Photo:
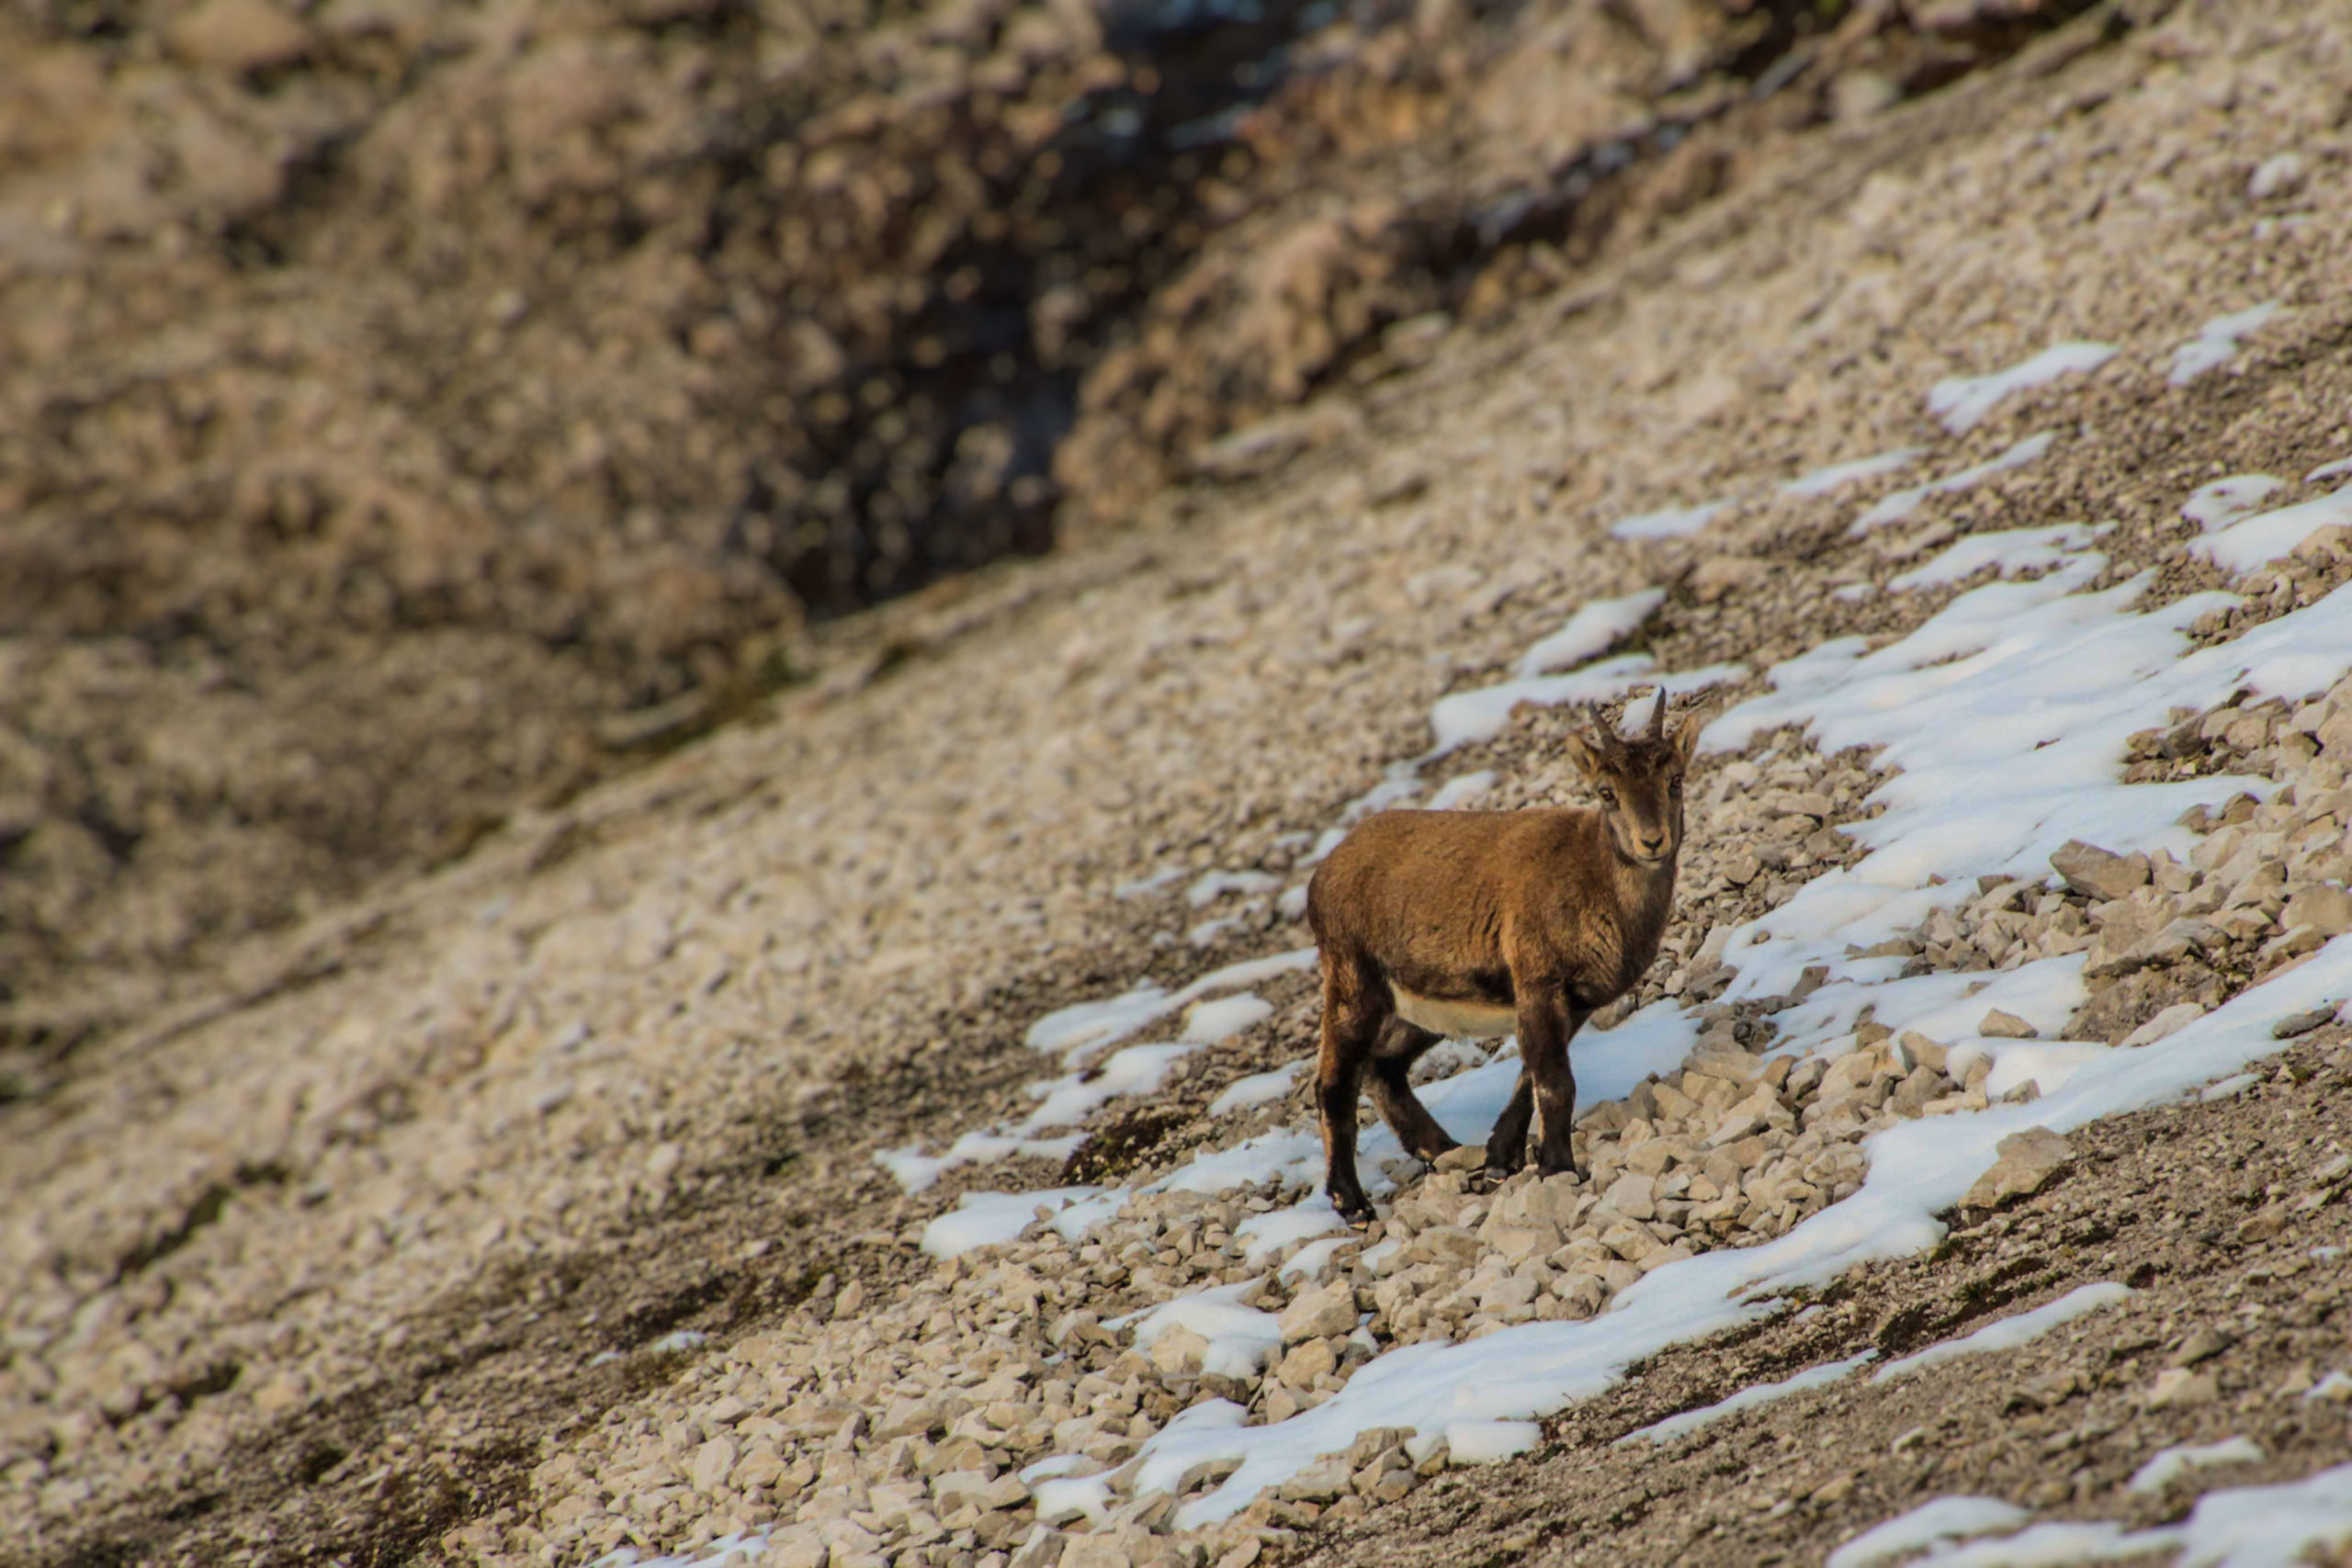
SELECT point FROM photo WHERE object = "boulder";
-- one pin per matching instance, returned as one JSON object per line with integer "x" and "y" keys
{"x": 2099, "y": 874}
{"x": 2023, "y": 1165}
{"x": 1319, "y": 1314}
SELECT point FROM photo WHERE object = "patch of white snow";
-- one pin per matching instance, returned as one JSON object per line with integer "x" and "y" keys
{"x": 1667, "y": 523}
{"x": 1897, "y": 504}
{"x": 2267, "y": 535}
{"x": 1932, "y": 1523}
{"x": 1461, "y": 788}
{"x": 1593, "y": 630}
{"x": 2215, "y": 506}
{"x": 2011, "y": 1332}
{"x": 1259, "y": 1088}
{"x": 1210, "y": 1022}
{"x": 2013, "y": 553}
{"x": 1821, "y": 482}
{"x": 2179, "y": 1459}
{"x": 1748, "y": 1398}
{"x": 1962, "y": 402}
{"x": 2216, "y": 343}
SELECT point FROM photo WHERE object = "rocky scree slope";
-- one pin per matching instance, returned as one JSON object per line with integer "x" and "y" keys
{"x": 414, "y": 410}
{"x": 394, "y": 1197}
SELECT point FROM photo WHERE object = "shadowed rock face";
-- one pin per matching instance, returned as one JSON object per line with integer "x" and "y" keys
{"x": 388, "y": 394}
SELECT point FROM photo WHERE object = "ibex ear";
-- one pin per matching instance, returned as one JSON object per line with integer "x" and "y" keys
{"x": 1583, "y": 753}
{"x": 1686, "y": 734}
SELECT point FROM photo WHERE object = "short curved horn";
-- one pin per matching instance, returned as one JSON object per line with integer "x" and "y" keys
{"x": 1657, "y": 716}
{"x": 1601, "y": 728}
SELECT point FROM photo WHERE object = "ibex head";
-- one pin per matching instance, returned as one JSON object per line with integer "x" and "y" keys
{"x": 1638, "y": 781}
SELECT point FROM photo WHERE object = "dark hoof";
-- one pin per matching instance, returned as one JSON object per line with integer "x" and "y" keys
{"x": 1546, "y": 1170}
{"x": 1357, "y": 1212}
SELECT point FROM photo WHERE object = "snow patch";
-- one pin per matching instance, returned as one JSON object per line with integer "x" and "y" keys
{"x": 2216, "y": 343}
{"x": 1265, "y": 1235}
{"x": 1210, "y": 1022}
{"x": 1460, "y": 788}
{"x": 1962, "y": 402}
{"x": 1667, "y": 522}
{"x": 1690, "y": 1421}
{"x": 1213, "y": 885}
{"x": 1897, "y": 504}
{"x": 991, "y": 1219}
{"x": 1486, "y": 1442}
{"x": 1483, "y": 713}
{"x": 1932, "y": 1523}
{"x": 1086, "y": 1026}
{"x": 1066, "y": 1102}
{"x": 1593, "y": 630}
{"x": 1241, "y": 1338}
{"x": 2014, "y": 552}
{"x": 2011, "y": 1332}
{"x": 2267, "y": 535}
{"x": 2158, "y": 1473}
{"x": 2249, "y": 1527}
{"x": 1821, "y": 482}
{"x": 2215, "y": 506}
{"x": 1143, "y": 887}
{"x": 916, "y": 1171}
{"x": 1259, "y": 1088}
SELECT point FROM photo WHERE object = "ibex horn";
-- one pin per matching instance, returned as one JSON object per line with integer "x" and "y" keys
{"x": 1602, "y": 727}
{"x": 1658, "y": 715}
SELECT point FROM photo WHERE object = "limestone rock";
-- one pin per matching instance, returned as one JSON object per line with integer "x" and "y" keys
{"x": 1179, "y": 1352}
{"x": 1719, "y": 576}
{"x": 2099, "y": 874}
{"x": 2177, "y": 1387}
{"x": 1319, "y": 1314}
{"x": 2173, "y": 1018}
{"x": 1041, "y": 1549}
{"x": 714, "y": 1462}
{"x": 2023, "y": 1165}
{"x": 1320, "y": 1483}
{"x": 237, "y": 34}
{"x": 2323, "y": 905}
{"x": 1307, "y": 1361}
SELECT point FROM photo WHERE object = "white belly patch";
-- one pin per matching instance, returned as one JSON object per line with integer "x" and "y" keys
{"x": 1455, "y": 1021}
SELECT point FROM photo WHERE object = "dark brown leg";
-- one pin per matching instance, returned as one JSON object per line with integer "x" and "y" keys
{"x": 1548, "y": 1023}
{"x": 1507, "y": 1145}
{"x": 1399, "y": 1047}
{"x": 1354, "y": 1007}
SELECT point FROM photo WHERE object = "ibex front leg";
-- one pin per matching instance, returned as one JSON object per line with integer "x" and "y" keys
{"x": 1548, "y": 1020}
{"x": 1355, "y": 1006}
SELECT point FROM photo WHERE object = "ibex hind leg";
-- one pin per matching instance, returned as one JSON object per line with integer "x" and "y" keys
{"x": 1507, "y": 1145}
{"x": 1399, "y": 1047}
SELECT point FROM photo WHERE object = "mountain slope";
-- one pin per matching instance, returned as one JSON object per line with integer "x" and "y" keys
{"x": 331, "y": 1263}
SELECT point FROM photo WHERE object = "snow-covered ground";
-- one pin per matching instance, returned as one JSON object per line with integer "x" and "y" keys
{"x": 1999, "y": 730}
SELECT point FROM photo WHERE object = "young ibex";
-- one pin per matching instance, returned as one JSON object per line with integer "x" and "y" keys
{"x": 1436, "y": 924}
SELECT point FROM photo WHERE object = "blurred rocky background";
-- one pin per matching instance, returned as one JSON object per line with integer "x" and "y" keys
{"x": 412, "y": 409}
